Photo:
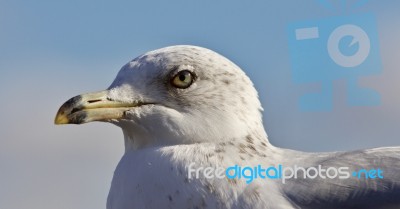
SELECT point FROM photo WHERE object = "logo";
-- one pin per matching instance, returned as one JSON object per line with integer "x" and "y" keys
{"x": 283, "y": 173}
{"x": 325, "y": 50}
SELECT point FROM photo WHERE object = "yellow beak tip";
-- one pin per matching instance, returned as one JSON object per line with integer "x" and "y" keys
{"x": 61, "y": 119}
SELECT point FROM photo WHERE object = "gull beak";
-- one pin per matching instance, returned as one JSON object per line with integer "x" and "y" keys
{"x": 91, "y": 107}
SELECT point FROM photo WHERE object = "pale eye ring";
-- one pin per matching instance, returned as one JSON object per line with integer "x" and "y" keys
{"x": 182, "y": 79}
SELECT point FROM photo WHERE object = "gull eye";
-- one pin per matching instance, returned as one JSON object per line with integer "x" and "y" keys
{"x": 183, "y": 79}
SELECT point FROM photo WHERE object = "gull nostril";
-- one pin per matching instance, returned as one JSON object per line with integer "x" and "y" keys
{"x": 95, "y": 100}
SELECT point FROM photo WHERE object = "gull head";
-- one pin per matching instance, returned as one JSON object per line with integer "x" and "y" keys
{"x": 173, "y": 95}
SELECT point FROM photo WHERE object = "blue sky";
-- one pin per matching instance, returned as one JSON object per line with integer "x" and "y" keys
{"x": 53, "y": 50}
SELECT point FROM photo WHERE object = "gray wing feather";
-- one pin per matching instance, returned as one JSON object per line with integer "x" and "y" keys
{"x": 352, "y": 192}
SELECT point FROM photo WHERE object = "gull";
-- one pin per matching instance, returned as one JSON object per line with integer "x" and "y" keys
{"x": 184, "y": 108}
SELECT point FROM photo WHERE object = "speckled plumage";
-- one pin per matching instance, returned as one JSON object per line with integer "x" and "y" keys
{"x": 217, "y": 121}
